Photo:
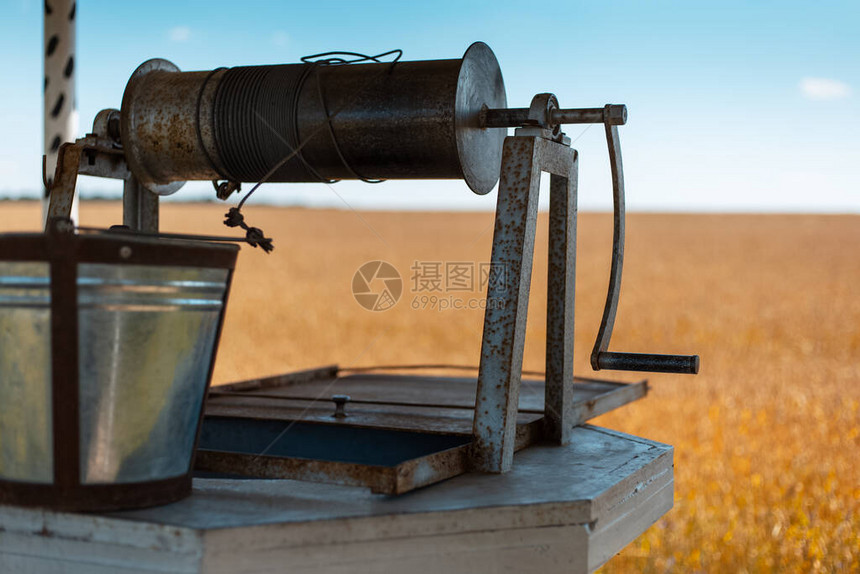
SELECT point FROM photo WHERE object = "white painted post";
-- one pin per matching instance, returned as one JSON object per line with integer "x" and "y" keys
{"x": 60, "y": 118}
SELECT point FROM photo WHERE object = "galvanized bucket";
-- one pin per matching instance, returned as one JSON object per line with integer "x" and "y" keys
{"x": 107, "y": 343}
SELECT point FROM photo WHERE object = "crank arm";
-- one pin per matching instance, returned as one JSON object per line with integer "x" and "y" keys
{"x": 601, "y": 357}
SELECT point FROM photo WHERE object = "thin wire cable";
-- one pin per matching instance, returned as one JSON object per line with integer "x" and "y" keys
{"x": 333, "y": 190}
{"x": 582, "y": 133}
{"x": 234, "y": 217}
{"x": 426, "y": 367}
{"x": 198, "y": 122}
{"x": 161, "y": 235}
{"x": 319, "y": 396}
{"x": 328, "y": 61}
{"x": 299, "y": 148}
{"x": 299, "y": 399}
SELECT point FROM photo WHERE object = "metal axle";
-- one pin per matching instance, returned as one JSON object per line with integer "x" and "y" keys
{"x": 614, "y": 114}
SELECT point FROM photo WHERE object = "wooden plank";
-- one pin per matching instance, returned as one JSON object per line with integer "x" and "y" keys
{"x": 610, "y": 536}
{"x": 590, "y": 398}
{"x": 39, "y": 541}
{"x": 285, "y": 380}
{"x": 552, "y": 549}
{"x": 28, "y": 564}
{"x": 453, "y": 421}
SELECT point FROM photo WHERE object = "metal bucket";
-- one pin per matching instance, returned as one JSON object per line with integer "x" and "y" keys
{"x": 107, "y": 344}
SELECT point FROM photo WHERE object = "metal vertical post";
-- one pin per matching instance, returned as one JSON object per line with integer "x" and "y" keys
{"x": 60, "y": 116}
{"x": 524, "y": 156}
{"x": 497, "y": 400}
{"x": 561, "y": 292}
{"x": 139, "y": 206}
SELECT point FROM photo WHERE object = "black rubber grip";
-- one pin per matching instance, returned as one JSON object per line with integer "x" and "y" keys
{"x": 682, "y": 364}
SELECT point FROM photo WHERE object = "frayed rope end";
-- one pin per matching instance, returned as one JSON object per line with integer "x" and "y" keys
{"x": 253, "y": 235}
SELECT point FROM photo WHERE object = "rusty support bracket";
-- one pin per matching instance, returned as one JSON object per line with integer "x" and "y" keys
{"x": 497, "y": 400}
{"x": 99, "y": 154}
{"x": 62, "y": 192}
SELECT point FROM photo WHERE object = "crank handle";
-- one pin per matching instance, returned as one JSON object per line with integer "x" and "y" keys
{"x": 601, "y": 357}
{"x": 680, "y": 364}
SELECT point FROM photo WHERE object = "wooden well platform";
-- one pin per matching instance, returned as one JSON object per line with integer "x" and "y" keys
{"x": 561, "y": 509}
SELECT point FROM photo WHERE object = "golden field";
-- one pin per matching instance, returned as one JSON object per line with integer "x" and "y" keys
{"x": 767, "y": 436}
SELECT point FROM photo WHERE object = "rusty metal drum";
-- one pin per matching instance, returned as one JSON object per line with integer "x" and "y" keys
{"x": 379, "y": 120}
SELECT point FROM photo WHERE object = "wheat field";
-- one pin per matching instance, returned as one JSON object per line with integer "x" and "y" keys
{"x": 766, "y": 437}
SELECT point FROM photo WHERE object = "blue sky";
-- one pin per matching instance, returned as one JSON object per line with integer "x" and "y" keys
{"x": 734, "y": 106}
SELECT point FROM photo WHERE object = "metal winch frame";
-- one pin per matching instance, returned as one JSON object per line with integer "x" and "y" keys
{"x": 538, "y": 145}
